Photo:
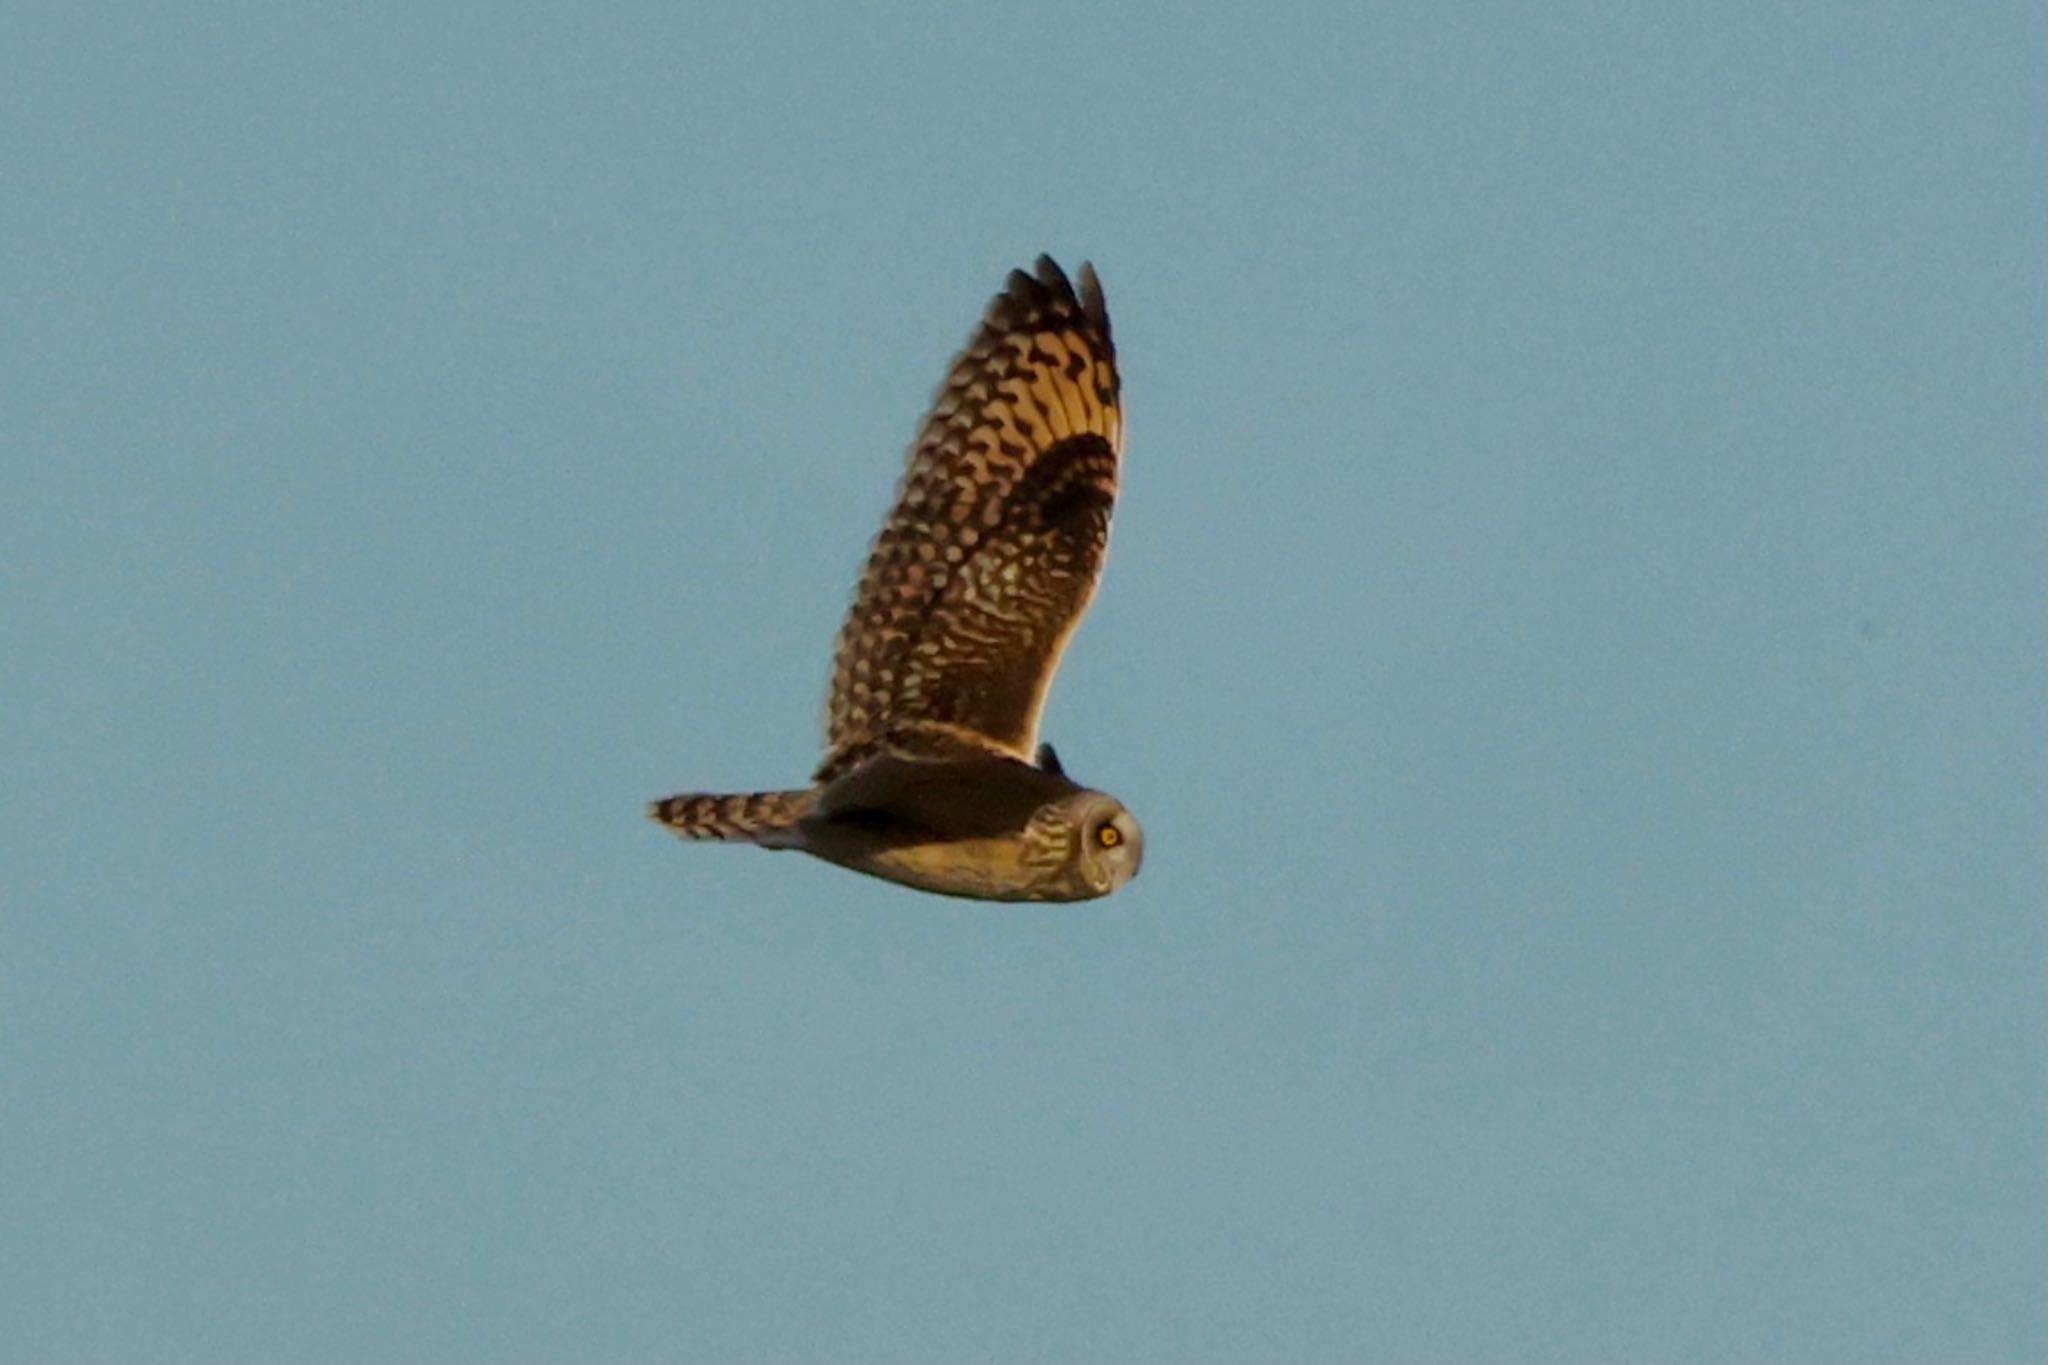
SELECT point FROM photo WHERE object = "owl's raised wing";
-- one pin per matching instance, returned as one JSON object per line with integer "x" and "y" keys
{"x": 993, "y": 548}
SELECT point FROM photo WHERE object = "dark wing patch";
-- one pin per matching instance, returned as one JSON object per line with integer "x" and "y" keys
{"x": 992, "y": 551}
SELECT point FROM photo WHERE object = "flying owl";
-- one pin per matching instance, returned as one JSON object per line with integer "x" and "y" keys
{"x": 933, "y": 773}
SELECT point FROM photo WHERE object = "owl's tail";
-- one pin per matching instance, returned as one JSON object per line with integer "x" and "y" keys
{"x": 768, "y": 818}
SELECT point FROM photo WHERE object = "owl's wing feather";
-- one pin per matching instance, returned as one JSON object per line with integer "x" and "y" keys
{"x": 983, "y": 794}
{"x": 991, "y": 553}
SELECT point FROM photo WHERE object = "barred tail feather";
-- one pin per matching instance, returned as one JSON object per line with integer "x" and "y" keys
{"x": 749, "y": 817}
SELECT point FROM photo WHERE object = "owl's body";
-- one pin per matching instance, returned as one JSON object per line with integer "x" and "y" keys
{"x": 933, "y": 774}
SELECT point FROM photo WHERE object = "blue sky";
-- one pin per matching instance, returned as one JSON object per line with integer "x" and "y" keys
{"x": 1574, "y": 637}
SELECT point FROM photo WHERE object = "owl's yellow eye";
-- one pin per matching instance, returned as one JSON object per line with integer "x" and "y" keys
{"x": 1109, "y": 836}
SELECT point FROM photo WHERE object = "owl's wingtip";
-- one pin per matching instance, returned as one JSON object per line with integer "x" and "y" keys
{"x": 1048, "y": 277}
{"x": 1051, "y": 276}
{"x": 1092, "y": 302}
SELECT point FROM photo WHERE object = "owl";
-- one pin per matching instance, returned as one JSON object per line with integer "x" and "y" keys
{"x": 933, "y": 774}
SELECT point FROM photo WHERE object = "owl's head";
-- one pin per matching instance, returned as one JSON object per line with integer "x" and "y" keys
{"x": 1099, "y": 844}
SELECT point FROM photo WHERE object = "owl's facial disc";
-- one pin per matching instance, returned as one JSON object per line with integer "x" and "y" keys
{"x": 1110, "y": 845}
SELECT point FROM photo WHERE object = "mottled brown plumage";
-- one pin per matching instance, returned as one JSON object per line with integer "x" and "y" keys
{"x": 981, "y": 572}
{"x": 990, "y": 555}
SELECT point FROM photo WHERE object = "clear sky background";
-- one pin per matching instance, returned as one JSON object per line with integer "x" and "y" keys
{"x": 1574, "y": 636}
